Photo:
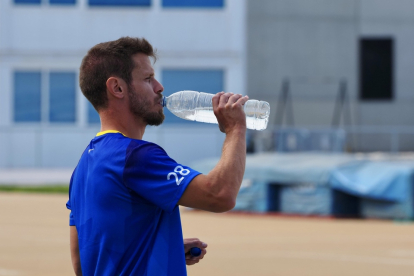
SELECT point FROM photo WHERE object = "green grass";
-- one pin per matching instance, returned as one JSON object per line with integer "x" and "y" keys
{"x": 49, "y": 189}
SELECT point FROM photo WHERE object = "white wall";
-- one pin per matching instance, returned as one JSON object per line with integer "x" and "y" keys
{"x": 391, "y": 19}
{"x": 183, "y": 37}
{"x": 59, "y": 146}
{"x": 44, "y": 37}
{"x": 310, "y": 42}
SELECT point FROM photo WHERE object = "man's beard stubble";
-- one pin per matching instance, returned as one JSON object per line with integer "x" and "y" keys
{"x": 140, "y": 108}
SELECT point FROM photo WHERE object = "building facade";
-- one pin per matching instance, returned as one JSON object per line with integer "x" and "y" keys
{"x": 44, "y": 119}
{"x": 315, "y": 50}
{"x": 316, "y": 46}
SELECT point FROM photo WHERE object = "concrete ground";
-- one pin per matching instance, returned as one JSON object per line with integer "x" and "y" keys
{"x": 34, "y": 241}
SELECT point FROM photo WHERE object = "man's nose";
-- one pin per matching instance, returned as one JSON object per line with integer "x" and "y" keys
{"x": 158, "y": 87}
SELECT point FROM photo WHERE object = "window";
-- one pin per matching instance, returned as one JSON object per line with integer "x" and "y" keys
{"x": 27, "y": 1}
{"x": 27, "y": 91}
{"x": 193, "y": 3}
{"x": 53, "y": 101}
{"x": 173, "y": 80}
{"x": 376, "y": 69}
{"x": 62, "y": 100}
{"x": 120, "y": 3}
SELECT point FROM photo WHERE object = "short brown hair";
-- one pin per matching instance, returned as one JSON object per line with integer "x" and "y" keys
{"x": 109, "y": 59}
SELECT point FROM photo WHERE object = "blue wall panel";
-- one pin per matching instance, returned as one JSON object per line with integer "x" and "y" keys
{"x": 120, "y": 3}
{"x": 62, "y": 97}
{"x": 193, "y": 3}
{"x": 27, "y": 1}
{"x": 173, "y": 80}
{"x": 93, "y": 116}
{"x": 64, "y": 2}
{"x": 27, "y": 94}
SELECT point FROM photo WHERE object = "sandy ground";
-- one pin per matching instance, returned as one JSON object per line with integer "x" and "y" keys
{"x": 34, "y": 241}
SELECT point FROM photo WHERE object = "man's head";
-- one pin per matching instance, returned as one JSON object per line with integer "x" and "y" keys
{"x": 144, "y": 92}
{"x": 119, "y": 59}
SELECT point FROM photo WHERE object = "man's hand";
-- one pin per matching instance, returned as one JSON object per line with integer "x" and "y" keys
{"x": 190, "y": 243}
{"x": 228, "y": 108}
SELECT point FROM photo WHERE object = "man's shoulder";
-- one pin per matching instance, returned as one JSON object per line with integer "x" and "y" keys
{"x": 144, "y": 149}
{"x": 143, "y": 146}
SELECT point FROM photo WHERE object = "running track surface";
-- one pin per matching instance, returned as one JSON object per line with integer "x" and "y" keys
{"x": 34, "y": 239}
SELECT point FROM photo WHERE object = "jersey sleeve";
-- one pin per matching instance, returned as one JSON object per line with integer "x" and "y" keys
{"x": 71, "y": 220}
{"x": 153, "y": 175}
{"x": 69, "y": 206}
{"x": 71, "y": 217}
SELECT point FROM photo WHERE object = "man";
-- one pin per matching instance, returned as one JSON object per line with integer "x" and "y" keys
{"x": 124, "y": 193}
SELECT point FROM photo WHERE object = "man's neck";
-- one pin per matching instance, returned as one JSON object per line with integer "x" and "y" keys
{"x": 127, "y": 125}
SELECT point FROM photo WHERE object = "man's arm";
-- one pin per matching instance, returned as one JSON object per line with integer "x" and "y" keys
{"x": 74, "y": 251}
{"x": 217, "y": 191}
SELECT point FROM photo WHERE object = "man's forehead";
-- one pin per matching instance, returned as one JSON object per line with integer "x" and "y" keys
{"x": 143, "y": 63}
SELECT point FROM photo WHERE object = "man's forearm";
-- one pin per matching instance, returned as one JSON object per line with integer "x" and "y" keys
{"x": 227, "y": 176}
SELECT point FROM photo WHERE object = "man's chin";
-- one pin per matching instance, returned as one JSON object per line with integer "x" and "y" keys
{"x": 155, "y": 120}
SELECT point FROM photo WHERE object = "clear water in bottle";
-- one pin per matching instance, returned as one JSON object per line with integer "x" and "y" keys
{"x": 197, "y": 106}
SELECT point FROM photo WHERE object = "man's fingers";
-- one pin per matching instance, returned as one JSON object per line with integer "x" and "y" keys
{"x": 242, "y": 100}
{"x": 189, "y": 257}
{"x": 199, "y": 244}
{"x": 224, "y": 99}
{"x": 216, "y": 98}
{"x": 191, "y": 262}
{"x": 194, "y": 242}
{"x": 229, "y": 111}
{"x": 234, "y": 98}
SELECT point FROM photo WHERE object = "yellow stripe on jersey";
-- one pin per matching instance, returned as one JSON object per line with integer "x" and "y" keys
{"x": 108, "y": 131}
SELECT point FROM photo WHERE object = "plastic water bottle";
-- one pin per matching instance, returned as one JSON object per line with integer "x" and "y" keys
{"x": 197, "y": 106}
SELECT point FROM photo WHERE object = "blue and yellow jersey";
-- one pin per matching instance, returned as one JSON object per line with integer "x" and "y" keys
{"x": 123, "y": 200}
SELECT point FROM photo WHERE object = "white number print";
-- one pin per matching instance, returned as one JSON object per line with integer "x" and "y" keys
{"x": 179, "y": 170}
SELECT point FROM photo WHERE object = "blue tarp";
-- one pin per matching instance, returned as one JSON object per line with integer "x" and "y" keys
{"x": 319, "y": 183}
{"x": 380, "y": 180}
{"x": 287, "y": 167}
{"x": 297, "y": 170}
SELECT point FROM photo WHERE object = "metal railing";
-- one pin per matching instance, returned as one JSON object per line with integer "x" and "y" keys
{"x": 350, "y": 139}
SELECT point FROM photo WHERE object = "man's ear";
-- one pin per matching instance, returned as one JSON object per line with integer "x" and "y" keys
{"x": 116, "y": 87}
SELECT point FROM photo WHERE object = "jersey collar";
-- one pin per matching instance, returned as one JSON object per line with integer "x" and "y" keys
{"x": 108, "y": 131}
